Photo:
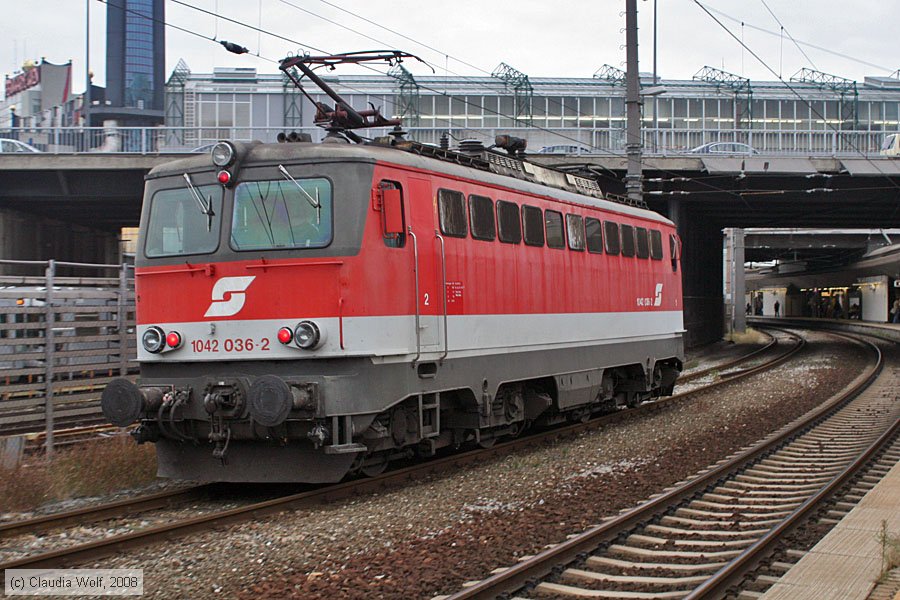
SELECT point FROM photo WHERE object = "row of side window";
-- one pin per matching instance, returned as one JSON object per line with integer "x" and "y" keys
{"x": 538, "y": 227}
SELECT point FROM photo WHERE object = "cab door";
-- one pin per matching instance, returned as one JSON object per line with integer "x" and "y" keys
{"x": 425, "y": 250}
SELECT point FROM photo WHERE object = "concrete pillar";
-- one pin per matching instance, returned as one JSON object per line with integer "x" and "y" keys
{"x": 701, "y": 274}
{"x": 738, "y": 287}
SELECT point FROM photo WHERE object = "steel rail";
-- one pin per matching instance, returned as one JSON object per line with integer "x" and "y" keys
{"x": 99, "y": 548}
{"x": 773, "y": 341}
{"x": 102, "y": 512}
{"x": 716, "y": 586}
{"x": 542, "y": 564}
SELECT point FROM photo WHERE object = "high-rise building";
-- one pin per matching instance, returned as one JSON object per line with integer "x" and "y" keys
{"x": 135, "y": 63}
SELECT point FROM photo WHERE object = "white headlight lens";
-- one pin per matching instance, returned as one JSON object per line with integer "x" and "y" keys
{"x": 153, "y": 340}
{"x": 307, "y": 335}
{"x": 222, "y": 154}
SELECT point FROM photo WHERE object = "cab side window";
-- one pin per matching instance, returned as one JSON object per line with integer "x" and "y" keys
{"x": 674, "y": 251}
{"x": 392, "y": 217}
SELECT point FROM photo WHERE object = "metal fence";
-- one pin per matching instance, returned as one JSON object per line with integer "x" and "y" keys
{"x": 62, "y": 339}
{"x": 660, "y": 141}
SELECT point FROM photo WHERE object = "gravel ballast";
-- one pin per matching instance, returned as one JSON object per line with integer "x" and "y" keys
{"x": 429, "y": 537}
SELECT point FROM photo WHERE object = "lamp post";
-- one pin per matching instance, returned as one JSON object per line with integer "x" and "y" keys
{"x": 633, "y": 141}
{"x": 655, "y": 81}
{"x": 86, "y": 99}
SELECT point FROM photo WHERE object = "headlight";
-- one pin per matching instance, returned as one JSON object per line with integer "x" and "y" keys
{"x": 307, "y": 335}
{"x": 153, "y": 340}
{"x": 222, "y": 154}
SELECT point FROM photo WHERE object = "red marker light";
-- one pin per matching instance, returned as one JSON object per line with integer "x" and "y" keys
{"x": 224, "y": 177}
{"x": 285, "y": 335}
{"x": 173, "y": 340}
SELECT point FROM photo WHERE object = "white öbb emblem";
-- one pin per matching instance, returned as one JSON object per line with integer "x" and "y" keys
{"x": 234, "y": 287}
{"x": 652, "y": 301}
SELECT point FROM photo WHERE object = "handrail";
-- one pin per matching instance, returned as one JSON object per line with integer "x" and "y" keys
{"x": 416, "y": 277}
{"x": 663, "y": 141}
{"x": 443, "y": 293}
{"x": 310, "y": 263}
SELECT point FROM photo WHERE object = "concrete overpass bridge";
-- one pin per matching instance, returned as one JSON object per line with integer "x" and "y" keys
{"x": 72, "y": 206}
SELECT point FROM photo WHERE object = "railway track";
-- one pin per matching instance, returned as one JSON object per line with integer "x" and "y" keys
{"x": 152, "y": 534}
{"x": 81, "y": 430}
{"x": 700, "y": 538}
{"x": 724, "y": 366}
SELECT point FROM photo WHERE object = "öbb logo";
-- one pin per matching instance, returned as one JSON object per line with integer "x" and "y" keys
{"x": 234, "y": 288}
{"x": 654, "y": 300}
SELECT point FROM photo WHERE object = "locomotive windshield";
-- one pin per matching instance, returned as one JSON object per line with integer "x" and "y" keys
{"x": 295, "y": 213}
{"x": 178, "y": 226}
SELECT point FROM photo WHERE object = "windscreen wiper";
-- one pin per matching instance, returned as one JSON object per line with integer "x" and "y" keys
{"x": 205, "y": 207}
{"x": 314, "y": 202}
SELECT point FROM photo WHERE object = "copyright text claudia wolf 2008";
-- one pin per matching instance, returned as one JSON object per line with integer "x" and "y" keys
{"x": 74, "y": 582}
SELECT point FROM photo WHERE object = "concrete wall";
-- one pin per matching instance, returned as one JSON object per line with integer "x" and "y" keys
{"x": 770, "y": 297}
{"x": 875, "y": 300}
{"x": 30, "y": 237}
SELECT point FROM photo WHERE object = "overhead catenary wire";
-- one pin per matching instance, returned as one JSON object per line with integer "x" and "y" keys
{"x": 798, "y": 95}
{"x": 558, "y": 103}
{"x": 784, "y": 29}
{"x": 712, "y": 188}
{"x": 801, "y": 42}
{"x": 439, "y": 92}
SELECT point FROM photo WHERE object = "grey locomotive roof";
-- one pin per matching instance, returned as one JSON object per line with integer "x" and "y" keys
{"x": 274, "y": 154}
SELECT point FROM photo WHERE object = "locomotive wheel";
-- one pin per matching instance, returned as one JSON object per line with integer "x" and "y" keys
{"x": 377, "y": 464}
{"x": 487, "y": 442}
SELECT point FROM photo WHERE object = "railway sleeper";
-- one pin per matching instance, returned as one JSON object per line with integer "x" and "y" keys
{"x": 747, "y": 508}
{"x": 703, "y": 525}
{"x": 758, "y": 498}
{"x": 602, "y": 562}
{"x": 557, "y": 589}
{"x": 751, "y": 487}
{"x": 764, "y": 495}
{"x": 782, "y": 472}
{"x": 648, "y": 541}
{"x": 799, "y": 476}
{"x": 747, "y": 534}
{"x": 791, "y": 480}
{"x": 756, "y": 518}
{"x": 682, "y": 583}
{"x": 674, "y": 555}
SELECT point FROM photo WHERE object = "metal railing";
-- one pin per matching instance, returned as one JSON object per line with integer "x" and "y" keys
{"x": 62, "y": 339}
{"x": 658, "y": 141}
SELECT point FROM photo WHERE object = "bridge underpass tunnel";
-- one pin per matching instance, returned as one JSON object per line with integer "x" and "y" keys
{"x": 69, "y": 208}
{"x": 828, "y": 274}
{"x": 34, "y": 237}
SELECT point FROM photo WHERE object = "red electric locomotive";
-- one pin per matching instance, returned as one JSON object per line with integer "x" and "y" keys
{"x": 310, "y": 310}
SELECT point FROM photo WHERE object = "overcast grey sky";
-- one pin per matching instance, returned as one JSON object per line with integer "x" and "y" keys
{"x": 538, "y": 37}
